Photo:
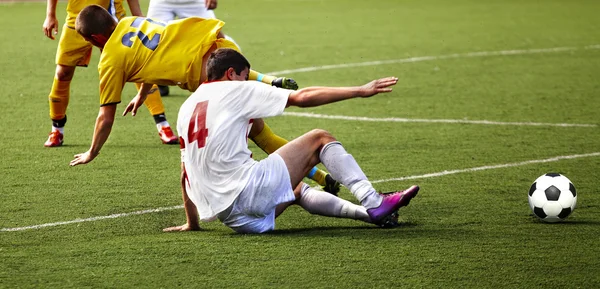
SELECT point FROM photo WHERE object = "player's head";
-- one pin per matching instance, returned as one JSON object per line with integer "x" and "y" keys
{"x": 95, "y": 24}
{"x": 227, "y": 64}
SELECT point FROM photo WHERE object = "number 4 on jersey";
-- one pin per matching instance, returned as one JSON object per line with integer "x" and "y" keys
{"x": 197, "y": 130}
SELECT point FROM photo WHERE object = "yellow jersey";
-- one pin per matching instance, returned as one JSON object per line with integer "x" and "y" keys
{"x": 114, "y": 7}
{"x": 143, "y": 50}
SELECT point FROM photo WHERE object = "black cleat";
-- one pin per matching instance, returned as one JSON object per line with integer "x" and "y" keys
{"x": 284, "y": 82}
{"x": 331, "y": 186}
{"x": 164, "y": 90}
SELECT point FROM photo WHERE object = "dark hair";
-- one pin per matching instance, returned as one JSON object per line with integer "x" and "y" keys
{"x": 222, "y": 59}
{"x": 94, "y": 19}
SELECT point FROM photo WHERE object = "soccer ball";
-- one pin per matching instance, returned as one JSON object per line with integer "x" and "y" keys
{"x": 552, "y": 197}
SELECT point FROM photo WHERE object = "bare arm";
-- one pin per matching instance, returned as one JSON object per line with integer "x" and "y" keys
{"x": 134, "y": 7}
{"x": 104, "y": 123}
{"x": 50, "y": 26}
{"x": 315, "y": 96}
{"x": 191, "y": 212}
{"x": 138, "y": 100}
{"x": 210, "y": 4}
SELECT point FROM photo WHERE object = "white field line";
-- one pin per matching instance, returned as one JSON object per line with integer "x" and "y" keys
{"x": 460, "y": 121}
{"x": 92, "y": 219}
{"x": 492, "y": 167}
{"x": 430, "y": 58}
{"x": 432, "y": 175}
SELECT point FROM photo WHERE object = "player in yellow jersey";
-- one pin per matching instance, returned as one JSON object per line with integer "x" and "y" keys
{"x": 74, "y": 51}
{"x": 138, "y": 49}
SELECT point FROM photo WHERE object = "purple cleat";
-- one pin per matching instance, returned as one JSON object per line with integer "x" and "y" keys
{"x": 390, "y": 205}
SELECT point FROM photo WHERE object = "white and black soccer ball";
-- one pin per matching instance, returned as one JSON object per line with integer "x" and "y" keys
{"x": 552, "y": 197}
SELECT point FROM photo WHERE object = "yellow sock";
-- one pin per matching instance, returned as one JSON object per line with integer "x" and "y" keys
{"x": 59, "y": 99}
{"x": 154, "y": 101}
{"x": 318, "y": 176}
{"x": 255, "y": 75}
{"x": 270, "y": 142}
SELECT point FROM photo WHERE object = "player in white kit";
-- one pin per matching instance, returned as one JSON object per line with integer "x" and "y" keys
{"x": 221, "y": 180}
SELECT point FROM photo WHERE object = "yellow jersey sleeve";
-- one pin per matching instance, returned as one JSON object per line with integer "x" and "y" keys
{"x": 112, "y": 81}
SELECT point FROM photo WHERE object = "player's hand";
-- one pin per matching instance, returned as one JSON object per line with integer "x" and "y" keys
{"x": 182, "y": 228}
{"x": 82, "y": 158}
{"x": 50, "y": 27}
{"x": 135, "y": 103}
{"x": 210, "y": 4}
{"x": 378, "y": 86}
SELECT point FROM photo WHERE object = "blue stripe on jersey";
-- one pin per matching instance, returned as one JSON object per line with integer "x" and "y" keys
{"x": 112, "y": 10}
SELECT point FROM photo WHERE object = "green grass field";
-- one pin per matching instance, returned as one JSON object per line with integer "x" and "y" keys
{"x": 508, "y": 62}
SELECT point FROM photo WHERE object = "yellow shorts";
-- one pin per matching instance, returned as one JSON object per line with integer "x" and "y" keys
{"x": 73, "y": 50}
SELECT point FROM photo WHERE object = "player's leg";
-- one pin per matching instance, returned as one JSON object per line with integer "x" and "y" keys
{"x": 157, "y": 110}
{"x": 269, "y": 142}
{"x": 301, "y": 154}
{"x": 321, "y": 203}
{"x": 72, "y": 51}
{"x": 58, "y": 101}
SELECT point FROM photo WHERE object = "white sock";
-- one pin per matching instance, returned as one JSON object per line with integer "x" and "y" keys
{"x": 366, "y": 194}
{"x": 162, "y": 124}
{"x": 342, "y": 167}
{"x": 325, "y": 204}
{"x": 59, "y": 129}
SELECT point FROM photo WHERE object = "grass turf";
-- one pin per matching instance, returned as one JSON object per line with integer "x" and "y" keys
{"x": 471, "y": 229}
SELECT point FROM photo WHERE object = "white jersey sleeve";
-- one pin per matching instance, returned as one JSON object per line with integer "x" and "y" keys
{"x": 262, "y": 100}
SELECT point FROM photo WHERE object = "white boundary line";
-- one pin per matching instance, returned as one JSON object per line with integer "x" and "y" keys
{"x": 432, "y": 175}
{"x": 113, "y": 216}
{"x": 430, "y": 58}
{"x": 463, "y": 121}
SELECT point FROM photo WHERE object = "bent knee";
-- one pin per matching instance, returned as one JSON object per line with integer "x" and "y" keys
{"x": 64, "y": 73}
{"x": 322, "y": 135}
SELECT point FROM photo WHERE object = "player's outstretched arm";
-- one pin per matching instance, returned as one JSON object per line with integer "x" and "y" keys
{"x": 210, "y": 4}
{"x": 191, "y": 212}
{"x": 104, "y": 123}
{"x": 50, "y": 26}
{"x": 315, "y": 96}
{"x": 138, "y": 100}
{"x": 134, "y": 7}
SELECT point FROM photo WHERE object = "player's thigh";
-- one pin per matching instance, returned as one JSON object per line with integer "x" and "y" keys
{"x": 302, "y": 153}
{"x": 73, "y": 49}
{"x": 195, "y": 9}
{"x": 255, "y": 208}
{"x": 161, "y": 10}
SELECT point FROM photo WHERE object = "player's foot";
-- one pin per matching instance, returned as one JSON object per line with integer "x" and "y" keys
{"x": 167, "y": 136}
{"x": 284, "y": 82}
{"x": 331, "y": 186}
{"x": 163, "y": 89}
{"x": 390, "y": 205}
{"x": 55, "y": 139}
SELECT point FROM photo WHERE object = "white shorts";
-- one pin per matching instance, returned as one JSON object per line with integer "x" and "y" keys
{"x": 167, "y": 11}
{"x": 254, "y": 209}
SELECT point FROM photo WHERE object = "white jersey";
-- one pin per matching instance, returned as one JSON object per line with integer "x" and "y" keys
{"x": 213, "y": 125}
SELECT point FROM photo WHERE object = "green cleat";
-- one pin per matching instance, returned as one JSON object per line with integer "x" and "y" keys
{"x": 284, "y": 82}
